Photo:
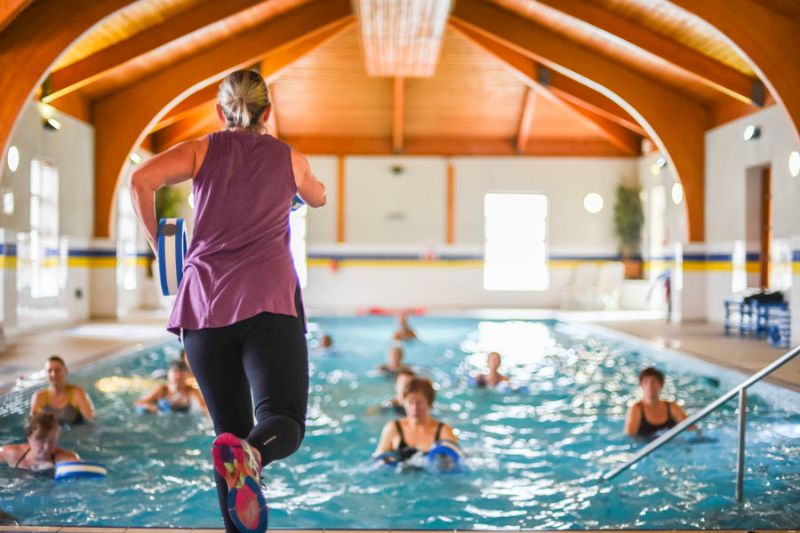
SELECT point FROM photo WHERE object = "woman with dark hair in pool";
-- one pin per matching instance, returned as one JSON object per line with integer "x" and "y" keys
{"x": 493, "y": 378}
{"x": 69, "y": 403}
{"x": 395, "y": 405}
{"x": 41, "y": 451}
{"x": 176, "y": 395}
{"x": 238, "y": 307}
{"x": 394, "y": 363}
{"x": 651, "y": 414}
{"x": 417, "y": 431}
{"x": 404, "y": 332}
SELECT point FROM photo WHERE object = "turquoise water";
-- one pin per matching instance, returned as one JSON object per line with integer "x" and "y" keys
{"x": 534, "y": 458}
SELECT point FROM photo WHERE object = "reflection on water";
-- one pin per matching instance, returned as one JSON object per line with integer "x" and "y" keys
{"x": 535, "y": 456}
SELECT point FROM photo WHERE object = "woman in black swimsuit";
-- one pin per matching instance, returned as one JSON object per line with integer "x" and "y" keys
{"x": 417, "y": 431}
{"x": 41, "y": 452}
{"x": 652, "y": 414}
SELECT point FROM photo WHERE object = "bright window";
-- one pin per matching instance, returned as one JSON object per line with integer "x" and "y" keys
{"x": 127, "y": 236}
{"x": 515, "y": 248}
{"x": 297, "y": 244}
{"x": 42, "y": 259}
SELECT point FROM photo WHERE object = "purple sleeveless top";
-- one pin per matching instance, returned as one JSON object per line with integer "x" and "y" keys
{"x": 238, "y": 263}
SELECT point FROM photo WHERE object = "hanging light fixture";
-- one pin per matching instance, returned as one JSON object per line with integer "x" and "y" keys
{"x": 402, "y": 37}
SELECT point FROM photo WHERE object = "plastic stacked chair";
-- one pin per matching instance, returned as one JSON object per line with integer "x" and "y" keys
{"x": 776, "y": 322}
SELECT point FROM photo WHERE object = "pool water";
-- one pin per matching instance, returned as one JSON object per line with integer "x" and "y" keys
{"x": 534, "y": 458}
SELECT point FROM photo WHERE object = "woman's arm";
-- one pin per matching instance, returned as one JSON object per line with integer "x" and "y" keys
{"x": 37, "y": 402}
{"x": 199, "y": 399}
{"x": 6, "y": 453}
{"x": 311, "y": 190}
{"x": 150, "y": 402}
{"x": 633, "y": 420}
{"x": 448, "y": 433}
{"x": 63, "y": 456}
{"x": 85, "y": 405}
{"x": 176, "y": 165}
{"x": 386, "y": 442}
{"x": 679, "y": 415}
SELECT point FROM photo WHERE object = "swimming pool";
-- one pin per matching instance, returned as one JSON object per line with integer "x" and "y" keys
{"x": 534, "y": 458}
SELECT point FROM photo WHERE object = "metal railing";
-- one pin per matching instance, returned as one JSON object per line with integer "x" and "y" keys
{"x": 741, "y": 390}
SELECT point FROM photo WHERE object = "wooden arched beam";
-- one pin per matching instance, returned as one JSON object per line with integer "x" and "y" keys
{"x": 532, "y": 73}
{"x": 90, "y": 68}
{"x": 124, "y": 118}
{"x": 674, "y": 120}
{"x": 710, "y": 72}
{"x": 612, "y": 122}
{"x": 32, "y": 42}
{"x": 765, "y": 38}
{"x": 9, "y": 9}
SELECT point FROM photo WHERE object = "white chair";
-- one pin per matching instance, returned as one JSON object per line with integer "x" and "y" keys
{"x": 582, "y": 279}
{"x": 604, "y": 295}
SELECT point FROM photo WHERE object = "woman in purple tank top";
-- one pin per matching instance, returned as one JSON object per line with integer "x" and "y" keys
{"x": 239, "y": 307}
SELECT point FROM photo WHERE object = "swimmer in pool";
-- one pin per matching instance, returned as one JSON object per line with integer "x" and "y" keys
{"x": 404, "y": 331}
{"x": 417, "y": 431}
{"x": 395, "y": 363}
{"x": 493, "y": 377}
{"x": 651, "y": 414}
{"x": 175, "y": 395}
{"x": 69, "y": 403}
{"x": 395, "y": 405}
{"x": 41, "y": 451}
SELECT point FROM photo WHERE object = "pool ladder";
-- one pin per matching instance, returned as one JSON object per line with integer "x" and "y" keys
{"x": 741, "y": 390}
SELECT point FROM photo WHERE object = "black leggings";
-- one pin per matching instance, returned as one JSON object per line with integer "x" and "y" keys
{"x": 268, "y": 355}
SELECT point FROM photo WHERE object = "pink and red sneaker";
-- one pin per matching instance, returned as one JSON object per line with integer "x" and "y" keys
{"x": 239, "y": 464}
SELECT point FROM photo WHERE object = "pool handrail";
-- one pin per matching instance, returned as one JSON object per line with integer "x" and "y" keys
{"x": 741, "y": 390}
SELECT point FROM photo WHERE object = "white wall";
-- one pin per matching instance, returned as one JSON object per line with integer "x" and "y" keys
{"x": 90, "y": 287}
{"x": 728, "y": 158}
{"x": 395, "y": 252}
{"x": 71, "y": 151}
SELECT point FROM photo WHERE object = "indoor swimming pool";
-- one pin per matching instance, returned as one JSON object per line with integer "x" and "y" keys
{"x": 534, "y": 457}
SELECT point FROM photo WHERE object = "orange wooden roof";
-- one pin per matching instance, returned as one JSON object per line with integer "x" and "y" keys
{"x": 326, "y": 99}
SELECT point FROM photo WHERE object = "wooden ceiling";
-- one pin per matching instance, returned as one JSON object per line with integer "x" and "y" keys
{"x": 476, "y": 103}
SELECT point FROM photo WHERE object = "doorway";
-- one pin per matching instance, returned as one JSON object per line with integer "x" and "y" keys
{"x": 759, "y": 226}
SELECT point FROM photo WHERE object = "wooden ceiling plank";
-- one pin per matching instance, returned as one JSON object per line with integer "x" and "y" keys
{"x": 398, "y": 114}
{"x": 32, "y": 42}
{"x": 708, "y": 71}
{"x": 453, "y": 146}
{"x": 186, "y": 106}
{"x": 195, "y": 121}
{"x": 627, "y": 141}
{"x": 526, "y": 120}
{"x": 209, "y": 93}
{"x": 529, "y": 71}
{"x": 654, "y": 105}
{"x": 767, "y": 40}
{"x": 116, "y": 132}
{"x": 83, "y": 72}
{"x": 272, "y": 121}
